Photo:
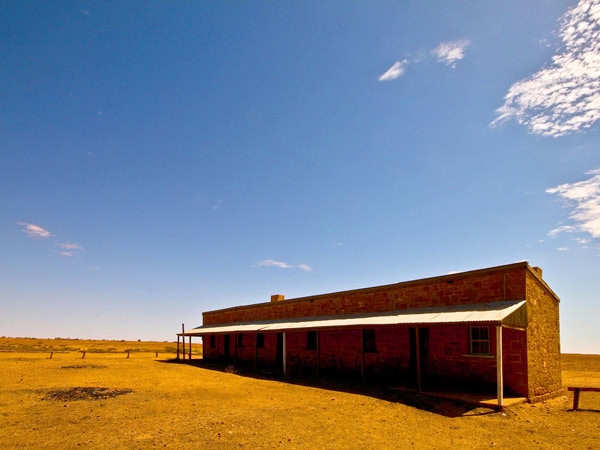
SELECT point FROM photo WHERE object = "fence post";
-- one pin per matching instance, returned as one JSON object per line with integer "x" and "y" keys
{"x": 183, "y": 340}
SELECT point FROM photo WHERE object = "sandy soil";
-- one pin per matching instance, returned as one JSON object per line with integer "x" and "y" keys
{"x": 110, "y": 401}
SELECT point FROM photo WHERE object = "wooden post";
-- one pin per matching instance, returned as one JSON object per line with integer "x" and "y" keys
{"x": 190, "y": 342}
{"x": 255, "y": 350}
{"x": 236, "y": 341}
{"x": 318, "y": 352}
{"x": 51, "y": 354}
{"x": 284, "y": 356}
{"x": 362, "y": 354}
{"x": 575, "y": 399}
{"x": 499, "y": 371}
{"x": 177, "y": 347}
{"x": 183, "y": 340}
{"x": 83, "y": 355}
{"x": 127, "y": 354}
{"x": 418, "y": 359}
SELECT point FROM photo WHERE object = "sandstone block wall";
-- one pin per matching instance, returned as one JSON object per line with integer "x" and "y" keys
{"x": 502, "y": 283}
{"x": 531, "y": 358}
{"x": 543, "y": 338}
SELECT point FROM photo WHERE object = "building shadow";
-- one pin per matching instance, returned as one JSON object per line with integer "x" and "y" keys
{"x": 446, "y": 404}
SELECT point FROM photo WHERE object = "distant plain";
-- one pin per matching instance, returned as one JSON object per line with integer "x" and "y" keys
{"x": 124, "y": 394}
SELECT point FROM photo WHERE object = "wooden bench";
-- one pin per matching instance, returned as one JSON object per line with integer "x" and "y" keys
{"x": 577, "y": 390}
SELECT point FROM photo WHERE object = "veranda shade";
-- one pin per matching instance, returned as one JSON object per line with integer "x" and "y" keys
{"x": 508, "y": 313}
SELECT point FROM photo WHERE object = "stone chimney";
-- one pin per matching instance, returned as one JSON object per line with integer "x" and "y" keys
{"x": 538, "y": 271}
{"x": 277, "y": 298}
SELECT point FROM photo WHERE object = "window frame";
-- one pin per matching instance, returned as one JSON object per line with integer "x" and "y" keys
{"x": 311, "y": 340}
{"x": 260, "y": 340}
{"x": 480, "y": 344}
{"x": 369, "y": 340}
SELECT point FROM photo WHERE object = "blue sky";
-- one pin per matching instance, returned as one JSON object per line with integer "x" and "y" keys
{"x": 159, "y": 159}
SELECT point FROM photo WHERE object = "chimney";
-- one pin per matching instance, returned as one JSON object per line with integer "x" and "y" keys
{"x": 538, "y": 271}
{"x": 277, "y": 298}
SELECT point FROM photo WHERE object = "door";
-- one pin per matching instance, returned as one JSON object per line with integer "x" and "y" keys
{"x": 226, "y": 340}
{"x": 419, "y": 373}
{"x": 279, "y": 352}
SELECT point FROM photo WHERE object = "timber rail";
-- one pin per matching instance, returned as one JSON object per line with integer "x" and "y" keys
{"x": 577, "y": 390}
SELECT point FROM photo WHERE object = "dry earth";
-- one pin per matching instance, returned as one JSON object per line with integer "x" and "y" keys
{"x": 110, "y": 401}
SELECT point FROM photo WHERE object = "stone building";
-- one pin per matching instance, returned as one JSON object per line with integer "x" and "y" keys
{"x": 493, "y": 329}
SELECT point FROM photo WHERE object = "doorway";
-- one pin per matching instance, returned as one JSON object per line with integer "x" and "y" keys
{"x": 419, "y": 365}
{"x": 226, "y": 340}
{"x": 279, "y": 352}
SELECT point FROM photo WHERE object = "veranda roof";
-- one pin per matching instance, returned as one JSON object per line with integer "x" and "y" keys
{"x": 508, "y": 313}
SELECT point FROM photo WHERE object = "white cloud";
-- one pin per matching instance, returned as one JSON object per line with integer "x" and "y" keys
{"x": 563, "y": 98}
{"x": 561, "y": 229}
{"x": 273, "y": 263}
{"x": 35, "y": 231}
{"x": 283, "y": 265}
{"x": 69, "y": 249}
{"x": 451, "y": 52}
{"x": 304, "y": 267}
{"x": 584, "y": 199}
{"x": 70, "y": 246}
{"x": 394, "y": 72}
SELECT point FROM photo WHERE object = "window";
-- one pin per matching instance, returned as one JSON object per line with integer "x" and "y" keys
{"x": 260, "y": 340}
{"x": 479, "y": 341}
{"x": 311, "y": 340}
{"x": 240, "y": 340}
{"x": 368, "y": 340}
{"x": 213, "y": 341}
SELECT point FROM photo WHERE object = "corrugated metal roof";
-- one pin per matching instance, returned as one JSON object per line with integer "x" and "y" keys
{"x": 510, "y": 313}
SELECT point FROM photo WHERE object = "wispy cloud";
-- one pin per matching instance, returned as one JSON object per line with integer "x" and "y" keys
{"x": 394, "y": 72}
{"x": 451, "y": 52}
{"x": 283, "y": 265}
{"x": 34, "y": 231}
{"x": 69, "y": 249}
{"x": 562, "y": 229}
{"x": 583, "y": 197}
{"x": 563, "y": 98}
{"x": 216, "y": 205}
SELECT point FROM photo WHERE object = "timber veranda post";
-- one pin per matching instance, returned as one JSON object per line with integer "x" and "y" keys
{"x": 318, "y": 353}
{"x": 255, "y": 349}
{"x": 284, "y": 355}
{"x": 499, "y": 368}
{"x": 183, "y": 340}
{"x": 362, "y": 354}
{"x": 418, "y": 360}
